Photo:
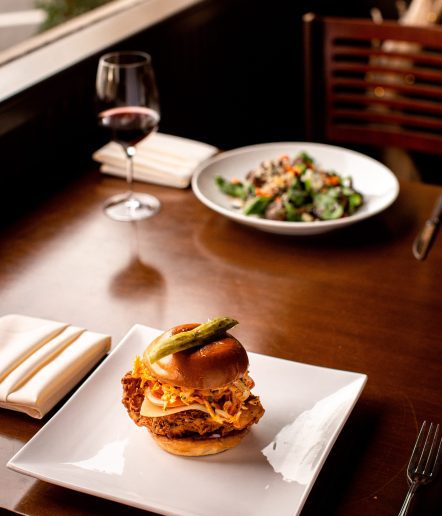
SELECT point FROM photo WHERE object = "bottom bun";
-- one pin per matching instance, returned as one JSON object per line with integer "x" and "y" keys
{"x": 198, "y": 447}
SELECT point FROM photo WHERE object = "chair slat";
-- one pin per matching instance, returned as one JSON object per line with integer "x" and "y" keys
{"x": 417, "y": 105}
{"x": 370, "y": 93}
{"x": 368, "y": 84}
{"x": 398, "y": 69}
{"x": 336, "y": 29}
{"x": 387, "y": 117}
{"x": 417, "y": 141}
{"x": 425, "y": 58}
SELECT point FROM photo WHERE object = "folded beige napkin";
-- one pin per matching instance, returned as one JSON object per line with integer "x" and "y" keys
{"x": 42, "y": 360}
{"x": 161, "y": 159}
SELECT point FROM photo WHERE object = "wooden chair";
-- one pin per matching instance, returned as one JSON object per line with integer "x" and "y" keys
{"x": 373, "y": 84}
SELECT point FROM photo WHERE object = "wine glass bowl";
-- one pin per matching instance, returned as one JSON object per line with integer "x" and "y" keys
{"x": 128, "y": 107}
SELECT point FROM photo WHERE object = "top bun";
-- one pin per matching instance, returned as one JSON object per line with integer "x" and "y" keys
{"x": 209, "y": 366}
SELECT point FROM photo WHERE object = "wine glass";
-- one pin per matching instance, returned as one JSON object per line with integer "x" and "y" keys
{"x": 128, "y": 105}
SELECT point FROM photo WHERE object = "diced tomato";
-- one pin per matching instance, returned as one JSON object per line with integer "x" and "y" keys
{"x": 259, "y": 192}
{"x": 332, "y": 180}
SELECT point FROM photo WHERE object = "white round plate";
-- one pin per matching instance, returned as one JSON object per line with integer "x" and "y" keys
{"x": 375, "y": 181}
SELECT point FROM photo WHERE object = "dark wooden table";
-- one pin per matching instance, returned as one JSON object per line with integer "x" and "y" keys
{"x": 355, "y": 300}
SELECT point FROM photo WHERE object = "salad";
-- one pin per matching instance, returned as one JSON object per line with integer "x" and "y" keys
{"x": 293, "y": 189}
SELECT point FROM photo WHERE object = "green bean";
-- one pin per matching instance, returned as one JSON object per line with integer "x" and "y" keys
{"x": 232, "y": 189}
{"x": 187, "y": 339}
{"x": 257, "y": 205}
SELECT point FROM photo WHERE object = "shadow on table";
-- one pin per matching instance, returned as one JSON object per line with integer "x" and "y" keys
{"x": 231, "y": 245}
{"x": 52, "y": 499}
{"x": 136, "y": 279}
{"x": 343, "y": 463}
{"x": 341, "y": 486}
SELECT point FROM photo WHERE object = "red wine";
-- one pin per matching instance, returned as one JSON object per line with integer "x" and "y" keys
{"x": 129, "y": 124}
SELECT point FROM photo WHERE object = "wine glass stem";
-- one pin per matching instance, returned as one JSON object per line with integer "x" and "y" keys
{"x": 130, "y": 153}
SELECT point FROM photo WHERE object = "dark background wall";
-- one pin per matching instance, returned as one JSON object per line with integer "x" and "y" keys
{"x": 229, "y": 73}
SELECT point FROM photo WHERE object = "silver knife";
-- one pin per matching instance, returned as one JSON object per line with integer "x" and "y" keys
{"x": 423, "y": 241}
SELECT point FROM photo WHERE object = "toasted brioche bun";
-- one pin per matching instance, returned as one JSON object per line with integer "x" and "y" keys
{"x": 209, "y": 366}
{"x": 199, "y": 447}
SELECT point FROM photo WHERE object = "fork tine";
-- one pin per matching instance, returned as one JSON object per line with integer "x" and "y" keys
{"x": 424, "y": 463}
{"x": 425, "y": 450}
{"x": 415, "y": 456}
{"x": 431, "y": 454}
{"x": 438, "y": 459}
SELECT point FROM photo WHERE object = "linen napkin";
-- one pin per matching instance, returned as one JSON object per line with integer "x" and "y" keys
{"x": 42, "y": 360}
{"x": 161, "y": 159}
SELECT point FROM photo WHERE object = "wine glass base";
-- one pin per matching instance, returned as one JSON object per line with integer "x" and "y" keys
{"x": 129, "y": 207}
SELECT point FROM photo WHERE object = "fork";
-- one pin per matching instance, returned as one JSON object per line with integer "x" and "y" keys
{"x": 424, "y": 462}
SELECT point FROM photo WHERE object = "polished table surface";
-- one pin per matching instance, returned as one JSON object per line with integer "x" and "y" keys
{"x": 355, "y": 300}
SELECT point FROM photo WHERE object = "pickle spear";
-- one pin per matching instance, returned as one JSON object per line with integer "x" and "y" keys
{"x": 189, "y": 339}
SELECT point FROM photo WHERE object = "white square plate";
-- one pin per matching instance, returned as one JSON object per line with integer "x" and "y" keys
{"x": 91, "y": 444}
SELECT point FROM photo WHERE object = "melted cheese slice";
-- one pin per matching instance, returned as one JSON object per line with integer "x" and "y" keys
{"x": 148, "y": 409}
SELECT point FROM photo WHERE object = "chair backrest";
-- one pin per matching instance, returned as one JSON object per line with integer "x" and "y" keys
{"x": 377, "y": 84}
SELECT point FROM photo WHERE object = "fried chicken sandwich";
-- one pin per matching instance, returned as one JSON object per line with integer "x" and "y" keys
{"x": 191, "y": 389}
